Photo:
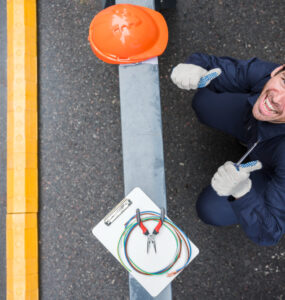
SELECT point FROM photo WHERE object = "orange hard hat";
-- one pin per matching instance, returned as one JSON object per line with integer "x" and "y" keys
{"x": 127, "y": 33}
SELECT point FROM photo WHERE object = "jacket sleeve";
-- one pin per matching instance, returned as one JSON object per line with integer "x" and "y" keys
{"x": 238, "y": 76}
{"x": 262, "y": 216}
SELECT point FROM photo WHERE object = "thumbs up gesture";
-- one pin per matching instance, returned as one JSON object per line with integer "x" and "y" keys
{"x": 230, "y": 180}
{"x": 191, "y": 77}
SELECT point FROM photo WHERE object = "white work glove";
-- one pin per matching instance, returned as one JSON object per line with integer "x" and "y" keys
{"x": 230, "y": 180}
{"x": 191, "y": 77}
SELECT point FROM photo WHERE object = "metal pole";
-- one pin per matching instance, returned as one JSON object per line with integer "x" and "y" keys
{"x": 142, "y": 140}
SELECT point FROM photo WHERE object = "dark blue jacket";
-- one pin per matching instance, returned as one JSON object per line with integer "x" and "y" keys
{"x": 262, "y": 215}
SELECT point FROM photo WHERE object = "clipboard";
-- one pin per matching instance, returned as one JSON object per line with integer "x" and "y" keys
{"x": 109, "y": 230}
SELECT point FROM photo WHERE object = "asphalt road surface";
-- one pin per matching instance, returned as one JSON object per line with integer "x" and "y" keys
{"x": 80, "y": 153}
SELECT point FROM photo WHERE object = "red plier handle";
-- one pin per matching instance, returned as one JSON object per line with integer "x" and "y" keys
{"x": 143, "y": 228}
{"x": 158, "y": 226}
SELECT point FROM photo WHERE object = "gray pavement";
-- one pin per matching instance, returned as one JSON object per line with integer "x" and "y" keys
{"x": 80, "y": 154}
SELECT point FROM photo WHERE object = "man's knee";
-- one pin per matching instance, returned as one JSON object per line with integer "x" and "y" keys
{"x": 205, "y": 210}
{"x": 215, "y": 210}
{"x": 199, "y": 104}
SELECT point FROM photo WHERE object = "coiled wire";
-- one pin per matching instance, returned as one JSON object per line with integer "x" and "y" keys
{"x": 177, "y": 233}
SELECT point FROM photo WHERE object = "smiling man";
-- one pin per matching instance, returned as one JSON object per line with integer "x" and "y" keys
{"x": 270, "y": 106}
{"x": 245, "y": 99}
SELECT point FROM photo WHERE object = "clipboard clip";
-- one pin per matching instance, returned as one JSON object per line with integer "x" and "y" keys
{"x": 117, "y": 211}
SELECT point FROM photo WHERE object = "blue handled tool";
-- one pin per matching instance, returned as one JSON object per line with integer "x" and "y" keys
{"x": 205, "y": 80}
{"x": 237, "y": 165}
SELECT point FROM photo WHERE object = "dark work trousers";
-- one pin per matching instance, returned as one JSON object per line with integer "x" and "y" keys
{"x": 223, "y": 111}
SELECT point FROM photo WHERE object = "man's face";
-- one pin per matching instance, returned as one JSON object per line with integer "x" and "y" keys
{"x": 270, "y": 105}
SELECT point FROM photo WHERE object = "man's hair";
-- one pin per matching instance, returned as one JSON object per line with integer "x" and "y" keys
{"x": 281, "y": 70}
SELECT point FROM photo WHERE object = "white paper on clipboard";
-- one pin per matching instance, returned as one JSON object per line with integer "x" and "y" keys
{"x": 165, "y": 244}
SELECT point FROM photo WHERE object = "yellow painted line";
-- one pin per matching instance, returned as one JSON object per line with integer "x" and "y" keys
{"x": 22, "y": 256}
{"x": 22, "y": 149}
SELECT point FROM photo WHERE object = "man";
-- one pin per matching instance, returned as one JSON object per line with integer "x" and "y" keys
{"x": 247, "y": 100}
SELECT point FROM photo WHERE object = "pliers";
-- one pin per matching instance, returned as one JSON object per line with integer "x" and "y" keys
{"x": 150, "y": 237}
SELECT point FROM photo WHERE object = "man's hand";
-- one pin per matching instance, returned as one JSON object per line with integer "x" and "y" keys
{"x": 191, "y": 77}
{"x": 229, "y": 180}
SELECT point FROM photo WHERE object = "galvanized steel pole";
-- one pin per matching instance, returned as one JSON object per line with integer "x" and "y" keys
{"x": 142, "y": 139}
